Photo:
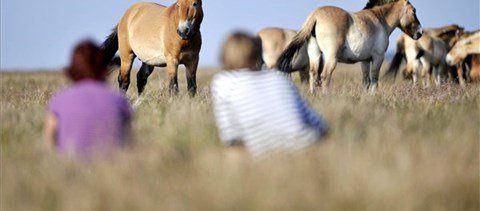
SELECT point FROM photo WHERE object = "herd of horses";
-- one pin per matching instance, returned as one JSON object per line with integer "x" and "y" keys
{"x": 445, "y": 52}
{"x": 161, "y": 36}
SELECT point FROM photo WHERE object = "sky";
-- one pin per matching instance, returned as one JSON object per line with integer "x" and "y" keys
{"x": 41, "y": 34}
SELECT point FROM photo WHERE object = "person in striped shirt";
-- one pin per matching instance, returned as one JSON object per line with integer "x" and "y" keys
{"x": 260, "y": 109}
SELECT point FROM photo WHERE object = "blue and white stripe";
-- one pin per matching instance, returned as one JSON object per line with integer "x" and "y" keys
{"x": 264, "y": 110}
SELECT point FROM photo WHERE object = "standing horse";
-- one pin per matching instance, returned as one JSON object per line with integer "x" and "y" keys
{"x": 426, "y": 53}
{"x": 421, "y": 56}
{"x": 274, "y": 41}
{"x": 353, "y": 37}
{"x": 159, "y": 36}
{"x": 466, "y": 46}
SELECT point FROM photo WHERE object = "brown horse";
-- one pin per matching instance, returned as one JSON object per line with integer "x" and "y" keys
{"x": 425, "y": 55}
{"x": 466, "y": 46}
{"x": 159, "y": 36}
{"x": 274, "y": 41}
{"x": 473, "y": 64}
{"x": 354, "y": 37}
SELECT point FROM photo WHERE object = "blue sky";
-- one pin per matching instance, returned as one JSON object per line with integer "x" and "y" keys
{"x": 40, "y": 34}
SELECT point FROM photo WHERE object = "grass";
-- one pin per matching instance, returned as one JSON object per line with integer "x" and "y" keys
{"x": 403, "y": 148}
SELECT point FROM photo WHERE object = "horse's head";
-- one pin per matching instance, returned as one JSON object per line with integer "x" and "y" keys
{"x": 190, "y": 16}
{"x": 460, "y": 34}
{"x": 467, "y": 45}
{"x": 451, "y": 34}
{"x": 409, "y": 22}
{"x": 453, "y": 58}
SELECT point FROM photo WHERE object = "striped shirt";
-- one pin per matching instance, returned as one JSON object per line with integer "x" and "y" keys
{"x": 264, "y": 111}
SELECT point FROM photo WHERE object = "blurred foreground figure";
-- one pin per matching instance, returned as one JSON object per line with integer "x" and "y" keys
{"x": 87, "y": 119}
{"x": 260, "y": 109}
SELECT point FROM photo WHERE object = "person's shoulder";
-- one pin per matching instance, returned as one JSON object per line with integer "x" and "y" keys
{"x": 102, "y": 89}
{"x": 99, "y": 87}
{"x": 61, "y": 94}
{"x": 226, "y": 74}
{"x": 226, "y": 77}
{"x": 277, "y": 73}
{"x": 59, "y": 98}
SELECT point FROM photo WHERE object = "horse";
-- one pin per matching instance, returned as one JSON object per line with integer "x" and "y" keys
{"x": 274, "y": 41}
{"x": 424, "y": 56}
{"x": 347, "y": 37}
{"x": 426, "y": 53}
{"x": 159, "y": 36}
{"x": 465, "y": 46}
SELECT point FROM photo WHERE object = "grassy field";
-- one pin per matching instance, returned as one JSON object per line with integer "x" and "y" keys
{"x": 404, "y": 148}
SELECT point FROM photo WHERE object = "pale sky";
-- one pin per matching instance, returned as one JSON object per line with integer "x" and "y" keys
{"x": 40, "y": 34}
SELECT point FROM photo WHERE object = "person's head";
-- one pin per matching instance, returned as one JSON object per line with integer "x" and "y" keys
{"x": 241, "y": 50}
{"x": 87, "y": 63}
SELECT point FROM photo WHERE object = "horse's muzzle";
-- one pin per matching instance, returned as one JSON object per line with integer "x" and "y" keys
{"x": 185, "y": 34}
{"x": 418, "y": 34}
{"x": 450, "y": 61}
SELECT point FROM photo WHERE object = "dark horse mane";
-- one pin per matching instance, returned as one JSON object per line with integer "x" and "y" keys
{"x": 373, "y": 3}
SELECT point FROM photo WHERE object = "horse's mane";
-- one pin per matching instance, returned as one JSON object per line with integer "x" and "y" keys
{"x": 373, "y": 3}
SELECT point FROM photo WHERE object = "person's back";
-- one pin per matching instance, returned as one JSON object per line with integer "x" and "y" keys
{"x": 87, "y": 119}
{"x": 270, "y": 115}
{"x": 260, "y": 109}
{"x": 91, "y": 118}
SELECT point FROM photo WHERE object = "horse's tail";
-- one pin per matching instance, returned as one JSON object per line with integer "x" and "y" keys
{"x": 110, "y": 46}
{"x": 284, "y": 62}
{"x": 396, "y": 61}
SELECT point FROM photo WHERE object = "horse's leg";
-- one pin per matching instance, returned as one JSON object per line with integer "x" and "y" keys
{"x": 366, "y": 74}
{"x": 415, "y": 66}
{"x": 315, "y": 70}
{"x": 461, "y": 78}
{"x": 314, "y": 65}
{"x": 142, "y": 76}
{"x": 375, "y": 70}
{"x": 126, "y": 61}
{"x": 329, "y": 66}
{"x": 172, "y": 68}
{"x": 304, "y": 75}
{"x": 444, "y": 71}
{"x": 191, "y": 74}
{"x": 426, "y": 72}
{"x": 468, "y": 64}
{"x": 440, "y": 74}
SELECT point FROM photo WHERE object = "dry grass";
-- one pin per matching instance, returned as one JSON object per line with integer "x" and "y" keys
{"x": 404, "y": 148}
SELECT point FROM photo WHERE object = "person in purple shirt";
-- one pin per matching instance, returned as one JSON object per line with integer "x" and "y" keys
{"x": 87, "y": 119}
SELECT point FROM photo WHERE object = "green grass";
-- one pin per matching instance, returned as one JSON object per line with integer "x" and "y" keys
{"x": 403, "y": 148}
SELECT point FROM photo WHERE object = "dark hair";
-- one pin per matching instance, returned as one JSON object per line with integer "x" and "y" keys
{"x": 87, "y": 63}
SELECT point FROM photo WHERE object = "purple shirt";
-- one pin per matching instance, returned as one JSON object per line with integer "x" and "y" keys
{"x": 91, "y": 118}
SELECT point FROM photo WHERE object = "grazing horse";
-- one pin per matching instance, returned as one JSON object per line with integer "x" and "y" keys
{"x": 274, "y": 41}
{"x": 426, "y": 53}
{"x": 353, "y": 37}
{"x": 159, "y": 36}
{"x": 464, "y": 47}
